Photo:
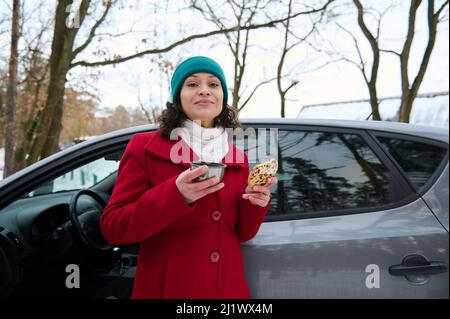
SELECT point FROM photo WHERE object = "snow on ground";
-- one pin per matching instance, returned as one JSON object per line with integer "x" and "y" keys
{"x": 430, "y": 111}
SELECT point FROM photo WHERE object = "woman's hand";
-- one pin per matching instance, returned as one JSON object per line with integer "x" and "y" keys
{"x": 259, "y": 195}
{"x": 191, "y": 190}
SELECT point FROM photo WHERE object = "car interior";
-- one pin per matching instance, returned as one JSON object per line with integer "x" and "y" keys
{"x": 55, "y": 231}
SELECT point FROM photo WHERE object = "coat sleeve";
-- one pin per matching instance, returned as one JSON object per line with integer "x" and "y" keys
{"x": 136, "y": 210}
{"x": 250, "y": 216}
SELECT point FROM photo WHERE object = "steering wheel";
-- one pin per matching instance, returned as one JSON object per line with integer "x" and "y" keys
{"x": 87, "y": 221}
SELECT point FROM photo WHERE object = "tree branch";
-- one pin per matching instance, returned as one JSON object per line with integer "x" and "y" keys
{"x": 404, "y": 55}
{"x": 432, "y": 31}
{"x": 390, "y": 51}
{"x": 372, "y": 41}
{"x": 92, "y": 32}
{"x": 290, "y": 87}
{"x": 324, "y": 65}
{"x": 303, "y": 39}
{"x": 82, "y": 11}
{"x": 269, "y": 24}
{"x": 254, "y": 90}
{"x": 215, "y": 19}
{"x": 361, "y": 66}
{"x": 438, "y": 13}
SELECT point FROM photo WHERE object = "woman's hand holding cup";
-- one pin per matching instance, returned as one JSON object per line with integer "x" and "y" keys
{"x": 191, "y": 190}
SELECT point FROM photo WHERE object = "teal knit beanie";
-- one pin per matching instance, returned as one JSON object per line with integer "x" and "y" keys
{"x": 193, "y": 65}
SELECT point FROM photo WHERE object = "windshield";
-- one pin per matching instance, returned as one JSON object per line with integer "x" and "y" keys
{"x": 81, "y": 177}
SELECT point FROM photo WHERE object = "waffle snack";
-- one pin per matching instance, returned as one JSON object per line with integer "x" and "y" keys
{"x": 261, "y": 173}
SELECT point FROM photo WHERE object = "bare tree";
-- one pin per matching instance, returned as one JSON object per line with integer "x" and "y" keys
{"x": 243, "y": 14}
{"x": 63, "y": 58}
{"x": 373, "y": 41}
{"x": 45, "y": 131}
{"x": 150, "y": 105}
{"x": 46, "y": 137}
{"x": 292, "y": 38}
{"x": 409, "y": 91}
{"x": 272, "y": 23}
{"x": 288, "y": 33}
{"x": 284, "y": 52}
{"x": 32, "y": 97}
{"x": 370, "y": 78}
{"x": 3, "y": 86}
{"x": 12, "y": 91}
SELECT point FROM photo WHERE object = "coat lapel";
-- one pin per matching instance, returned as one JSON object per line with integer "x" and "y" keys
{"x": 182, "y": 154}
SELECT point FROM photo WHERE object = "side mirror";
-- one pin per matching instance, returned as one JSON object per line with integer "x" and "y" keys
{"x": 116, "y": 156}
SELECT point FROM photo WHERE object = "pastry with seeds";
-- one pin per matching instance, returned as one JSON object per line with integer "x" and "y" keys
{"x": 261, "y": 173}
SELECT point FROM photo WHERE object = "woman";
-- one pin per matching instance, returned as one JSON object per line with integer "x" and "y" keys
{"x": 190, "y": 232}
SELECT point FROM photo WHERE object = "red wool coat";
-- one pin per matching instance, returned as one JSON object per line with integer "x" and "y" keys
{"x": 186, "y": 251}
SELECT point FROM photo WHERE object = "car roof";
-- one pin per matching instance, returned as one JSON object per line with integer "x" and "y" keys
{"x": 436, "y": 133}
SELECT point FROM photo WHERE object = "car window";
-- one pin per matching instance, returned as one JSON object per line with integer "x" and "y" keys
{"x": 81, "y": 177}
{"x": 322, "y": 171}
{"x": 418, "y": 160}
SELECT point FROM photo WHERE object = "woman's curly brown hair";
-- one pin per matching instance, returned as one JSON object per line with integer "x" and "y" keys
{"x": 173, "y": 116}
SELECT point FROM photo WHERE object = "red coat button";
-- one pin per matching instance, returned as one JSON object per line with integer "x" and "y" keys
{"x": 214, "y": 257}
{"x": 216, "y": 215}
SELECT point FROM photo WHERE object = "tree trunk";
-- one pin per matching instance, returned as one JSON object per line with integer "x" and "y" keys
{"x": 282, "y": 58}
{"x": 374, "y": 102}
{"x": 236, "y": 97}
{"x": 28, "y": 128}
{"x": 49, "y": 116}
{"x": 55, "y": 102}
{"x": 239, "y": 67}
{"x": 372, "y": 82}
{"x": 1, "y": 120}
{"x": 25, "y": 144}
{"x": 45, "y": 141}
{"x": 12, "y": 92}
{"x": 405, "y": 108}
{"x": 409, "y": 93}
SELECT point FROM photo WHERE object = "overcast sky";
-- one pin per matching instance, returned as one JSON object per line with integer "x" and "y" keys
{"x": 339, "y": 81}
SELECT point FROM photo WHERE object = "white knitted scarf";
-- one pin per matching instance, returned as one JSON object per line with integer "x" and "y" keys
{"x": 210, "y": 144}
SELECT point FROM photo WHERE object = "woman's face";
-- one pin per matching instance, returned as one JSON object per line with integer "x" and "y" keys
{"x": 202, "y": 98}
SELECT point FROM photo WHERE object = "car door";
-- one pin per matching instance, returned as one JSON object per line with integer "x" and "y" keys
{"x": 342, "y": 215}
{"x": 37, "y": 239}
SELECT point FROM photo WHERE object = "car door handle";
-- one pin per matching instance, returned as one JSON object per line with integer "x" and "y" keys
{"x": 418, "y": 265}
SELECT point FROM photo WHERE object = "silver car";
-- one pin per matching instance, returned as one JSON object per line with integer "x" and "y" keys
{"x": 360, "y": 211}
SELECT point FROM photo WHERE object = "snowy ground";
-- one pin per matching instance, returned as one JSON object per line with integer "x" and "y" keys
{"x": 426, "y": 111}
